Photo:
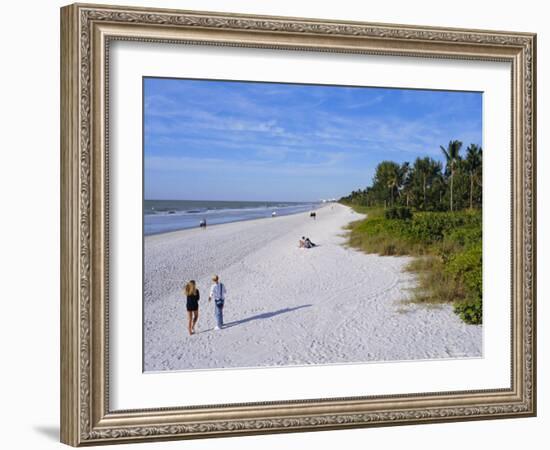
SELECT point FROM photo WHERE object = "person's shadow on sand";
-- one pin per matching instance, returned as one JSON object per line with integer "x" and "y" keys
{"x": 266, "y": 315}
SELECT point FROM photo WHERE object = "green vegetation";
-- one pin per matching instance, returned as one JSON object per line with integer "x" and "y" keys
{"x": 426, "y": 185}
{"x": 398, "y": 212}
{"x": 433, "y": 214}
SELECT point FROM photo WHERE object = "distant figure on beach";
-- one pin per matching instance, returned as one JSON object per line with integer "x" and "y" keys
{"x": 309, "y": 244}
{"x": 306, "y": 242}
{"x": 202, "y": 223}
{"x": 274, "y": 214}
{"x": 313, "y": 214}
{"x": 193, "y": 296}
{"x": 217, "y": 292}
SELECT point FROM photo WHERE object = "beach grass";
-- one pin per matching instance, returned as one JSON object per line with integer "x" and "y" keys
{"x": 447, "y": 251}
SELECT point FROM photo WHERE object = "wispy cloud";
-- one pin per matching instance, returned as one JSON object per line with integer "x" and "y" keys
{"x": 332, "y": 135}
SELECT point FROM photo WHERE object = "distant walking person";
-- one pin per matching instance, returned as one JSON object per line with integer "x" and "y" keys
{"x": 193, "y": 297}
{"x": 217, "y": 292}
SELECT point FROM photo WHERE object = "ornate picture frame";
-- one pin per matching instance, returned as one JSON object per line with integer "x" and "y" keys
{"x": 87, "y": 32}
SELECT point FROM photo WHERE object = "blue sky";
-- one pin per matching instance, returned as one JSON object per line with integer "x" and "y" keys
{"x": 224, "y": 140}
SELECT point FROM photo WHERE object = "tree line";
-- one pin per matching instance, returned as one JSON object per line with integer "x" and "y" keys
{"x": 427, "y": 184}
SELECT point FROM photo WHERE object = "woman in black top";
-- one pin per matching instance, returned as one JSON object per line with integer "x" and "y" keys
{"x": 193, "y": 297}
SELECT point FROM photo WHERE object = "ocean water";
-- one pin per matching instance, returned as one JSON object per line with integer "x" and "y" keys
{"x": 161, "y": 216}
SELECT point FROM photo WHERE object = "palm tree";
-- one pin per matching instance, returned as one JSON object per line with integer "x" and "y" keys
{"x": 427, "y": 170}
{"x": 393, "y": 184}
{"x": 473, "y": 165}
{"x": 387, "y": 177}
{"x": 397, "y": 176}
{"x": 422, "y": 166}
{"x": 405, "y": 174}
{"x": 452, "y": 154}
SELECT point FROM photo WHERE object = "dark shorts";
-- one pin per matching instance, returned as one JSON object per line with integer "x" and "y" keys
{"x": 192, "y": 305}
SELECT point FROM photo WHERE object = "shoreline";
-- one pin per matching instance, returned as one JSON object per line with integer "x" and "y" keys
{"x": 289, "y": 306}
{"x": 322, "y": 205}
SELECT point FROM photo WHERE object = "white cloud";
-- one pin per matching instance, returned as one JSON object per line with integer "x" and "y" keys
{"x": 329, "y": 165}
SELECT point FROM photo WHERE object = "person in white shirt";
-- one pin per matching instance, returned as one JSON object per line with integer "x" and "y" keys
{"x": 217, "y": 292}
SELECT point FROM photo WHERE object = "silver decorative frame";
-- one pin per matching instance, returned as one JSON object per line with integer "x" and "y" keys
{"x": 86, "y": 31}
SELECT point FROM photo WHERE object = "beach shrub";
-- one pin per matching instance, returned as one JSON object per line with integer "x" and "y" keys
{"x": 435, "y": 285}
{"x": 398, "y": 212}
{"x": 466, "y": 269}
{"x": 446, "y": 250}
{"x": 470, "y": 311}
{"x": 430, "y": 227}
{"x": 466, "y": 266}
{"x": 465, "y": 236}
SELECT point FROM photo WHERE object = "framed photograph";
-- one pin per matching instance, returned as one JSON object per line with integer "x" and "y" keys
{"x": 276, "y": 224}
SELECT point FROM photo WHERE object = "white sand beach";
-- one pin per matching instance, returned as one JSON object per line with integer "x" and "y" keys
{"x": 286, "y": 305}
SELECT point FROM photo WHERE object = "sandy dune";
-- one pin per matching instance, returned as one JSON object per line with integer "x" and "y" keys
{"x": 289, "y": 306}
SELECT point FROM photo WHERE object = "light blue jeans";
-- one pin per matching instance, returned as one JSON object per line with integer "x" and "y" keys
{"x": 219, "y": 315}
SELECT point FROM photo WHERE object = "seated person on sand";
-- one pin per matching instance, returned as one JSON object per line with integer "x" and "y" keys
{"x": 309, "y": 244}
{"x": 306, "y": 243}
